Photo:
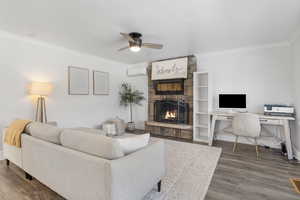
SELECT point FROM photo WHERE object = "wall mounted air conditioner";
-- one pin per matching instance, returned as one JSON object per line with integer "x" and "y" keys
{"x": 137, "y": 71}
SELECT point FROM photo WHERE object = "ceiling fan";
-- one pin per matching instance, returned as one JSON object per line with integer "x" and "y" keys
{"x": 136, "y": 43}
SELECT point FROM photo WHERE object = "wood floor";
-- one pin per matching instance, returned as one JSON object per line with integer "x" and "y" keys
{"x": 238, "y": 176}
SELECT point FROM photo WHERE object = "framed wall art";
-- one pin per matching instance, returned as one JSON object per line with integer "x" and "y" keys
{"x": 78, "y": 80}
{"x": 100, "y": 83}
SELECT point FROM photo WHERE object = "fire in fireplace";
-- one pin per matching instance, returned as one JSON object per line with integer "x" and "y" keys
{"x": 171, "y": 111}
{"x": 170, "y": 115}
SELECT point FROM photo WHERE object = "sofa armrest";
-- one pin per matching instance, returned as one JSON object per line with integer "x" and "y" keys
{"x": 11, "y": 153}
{"x": 133, "y": 176}
{"x": 3, "y": 134}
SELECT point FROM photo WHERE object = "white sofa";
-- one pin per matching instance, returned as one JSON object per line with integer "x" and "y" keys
{"x": 76, "y": 175}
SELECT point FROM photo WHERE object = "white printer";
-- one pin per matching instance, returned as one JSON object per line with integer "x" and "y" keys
{"x": 279, "y": 110}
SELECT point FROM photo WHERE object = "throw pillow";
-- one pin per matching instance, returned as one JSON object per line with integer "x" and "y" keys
{"x": 110, "y": 129}
{"x": 94, "y": 144}
{"x": 119, "y": 123}
{"x": 89, "y": 130}
{"x": 134, "y": 143}
{"x": 44, "y": 131}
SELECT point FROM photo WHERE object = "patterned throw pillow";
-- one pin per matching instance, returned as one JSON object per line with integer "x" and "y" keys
{"x": 110, "y": 128}
{"x": 119, "y": 123}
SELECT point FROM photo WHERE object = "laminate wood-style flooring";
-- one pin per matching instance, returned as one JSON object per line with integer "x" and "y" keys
{"x": 239, "y": 176}
{"x": 14, "y": 186}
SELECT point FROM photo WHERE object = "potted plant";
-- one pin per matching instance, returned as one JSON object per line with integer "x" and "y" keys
{"x": 130, "y": 97}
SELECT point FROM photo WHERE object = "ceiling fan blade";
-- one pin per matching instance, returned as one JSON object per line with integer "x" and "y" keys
{"x": 127, "y": 36}
{"x": 124, "y": 48}
{"x": 152, "y": 46}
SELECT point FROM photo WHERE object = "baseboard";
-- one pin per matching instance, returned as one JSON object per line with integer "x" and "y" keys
{"x": 1, "y": 155}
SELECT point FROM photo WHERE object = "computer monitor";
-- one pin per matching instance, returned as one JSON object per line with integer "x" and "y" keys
{"x": 232, "y": 101}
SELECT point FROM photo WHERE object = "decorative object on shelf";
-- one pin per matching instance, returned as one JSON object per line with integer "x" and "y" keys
{"x": 170, "y": 69}
{"x": 100, "y": 83}
{"x": 169, "y": 87}
{"x": 41, "y": 90}
{"x": 78, "y": 79}
{"x": 130, "y": 97}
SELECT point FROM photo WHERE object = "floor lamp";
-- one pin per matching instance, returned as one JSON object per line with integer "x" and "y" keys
{"x": 41, "y": 90}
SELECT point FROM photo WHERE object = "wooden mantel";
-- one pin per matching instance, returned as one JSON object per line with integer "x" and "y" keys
{"x": 169, "y": 125}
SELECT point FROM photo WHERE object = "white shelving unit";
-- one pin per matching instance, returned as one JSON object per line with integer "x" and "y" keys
{"x": 202, "y": 103}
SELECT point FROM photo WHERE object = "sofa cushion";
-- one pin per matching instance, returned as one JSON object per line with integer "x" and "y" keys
{"x": 90, "y": 143}
{"x": 43, "y": 131}
{"x": 133, "y": 143}
{"x": 89, "y": 130}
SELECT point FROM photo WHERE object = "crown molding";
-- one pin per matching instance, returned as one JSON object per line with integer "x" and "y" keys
{"x": 244, "y": 49}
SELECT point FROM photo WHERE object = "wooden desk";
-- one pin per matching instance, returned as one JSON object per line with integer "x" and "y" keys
{"x": 264, "y": 120}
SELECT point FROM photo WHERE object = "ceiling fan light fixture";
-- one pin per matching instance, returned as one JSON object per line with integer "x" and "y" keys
{"x": 136, "y": 43}
{"x": 135, "y": 48}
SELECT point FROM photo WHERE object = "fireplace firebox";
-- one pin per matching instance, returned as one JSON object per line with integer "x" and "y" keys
{"x": 171, "y": 111}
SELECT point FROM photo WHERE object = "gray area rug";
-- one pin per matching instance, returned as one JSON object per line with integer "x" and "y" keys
{"x": 190, "y": 168}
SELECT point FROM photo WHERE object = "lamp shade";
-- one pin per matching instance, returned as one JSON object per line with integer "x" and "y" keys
{"x": 40, "y": 88}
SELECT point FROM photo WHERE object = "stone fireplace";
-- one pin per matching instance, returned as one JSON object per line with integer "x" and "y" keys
{"x": 171, "y": 111}
{"x": 170, "y": 105}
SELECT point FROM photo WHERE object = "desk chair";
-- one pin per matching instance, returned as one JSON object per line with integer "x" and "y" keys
{"x": 246, "y": 125}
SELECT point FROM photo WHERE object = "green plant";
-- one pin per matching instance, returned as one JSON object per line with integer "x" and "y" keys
{"x": 130, "y": 97}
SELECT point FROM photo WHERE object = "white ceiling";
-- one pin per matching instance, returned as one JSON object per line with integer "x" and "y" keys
{"x": 183, "y": 26}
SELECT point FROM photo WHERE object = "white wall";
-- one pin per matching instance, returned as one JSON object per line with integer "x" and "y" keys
{"x": 140, "y": 82}
{"x": 23, "y": 60}
{"x": 263, "y": 73}
{"x": 295, "y": 47}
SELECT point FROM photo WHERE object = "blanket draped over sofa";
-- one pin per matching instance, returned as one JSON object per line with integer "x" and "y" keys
{"x": 14, "y": 131}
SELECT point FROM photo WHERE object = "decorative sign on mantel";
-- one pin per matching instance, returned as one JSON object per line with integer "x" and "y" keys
{"x": 170, "y": 69}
